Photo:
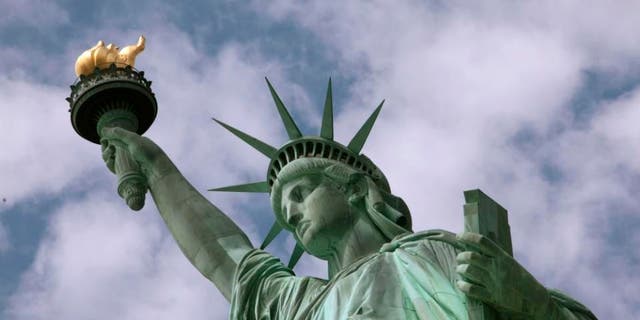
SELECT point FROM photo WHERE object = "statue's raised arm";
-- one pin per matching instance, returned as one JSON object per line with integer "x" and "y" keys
{"x": 211, "y": 241}
{"x": 113, "y": 104}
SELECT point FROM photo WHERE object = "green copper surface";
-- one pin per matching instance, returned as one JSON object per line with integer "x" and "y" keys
{"x": 260, "y": 187}
{"x": 326, "y": 130}
{"x": 339, "y": 207}
{"x": 264, "y": 148}
{"x": 360, "y": 138}
{"x": 289, "y": 124}
{"x": 298, "y": 251}
{"x": 307, "y": 147}
{"x": 484, "y": 216}
{"x": 274, "y": 231}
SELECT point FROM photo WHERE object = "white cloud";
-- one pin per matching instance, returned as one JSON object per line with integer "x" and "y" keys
{"x": 5, "y": 245}
{"x": 99, "y": 260}
{"x": 458, "y": 87}
{"x": 33, "y": 13}
{"x": 462, "y": 82}
{"x": 40, "y": 139}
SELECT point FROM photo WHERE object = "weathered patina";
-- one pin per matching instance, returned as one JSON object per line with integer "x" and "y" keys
{"x": 339, "y": 207}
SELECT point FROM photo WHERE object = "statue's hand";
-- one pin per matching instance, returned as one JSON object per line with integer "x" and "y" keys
{"x": 491, "y": 275}
{"x": 146, "y": 153}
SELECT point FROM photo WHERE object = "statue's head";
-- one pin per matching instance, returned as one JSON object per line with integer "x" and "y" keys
{"x": 319, "y": 186}
{"x": 319, "y": 201}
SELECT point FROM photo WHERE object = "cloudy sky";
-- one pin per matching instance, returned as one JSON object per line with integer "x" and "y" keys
{"x": 535, "y": 102}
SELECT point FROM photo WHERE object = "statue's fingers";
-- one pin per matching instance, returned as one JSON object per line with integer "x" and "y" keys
{"x": 475, "y": 274}
{"x": 479, "y": 242}
{"x": 108, "y": 155}
{"x": 111, "y": 164}
{"x": 474, "y": 291}
{"x": 107, "y": 149}
{"x": 119, "y": 137}
{"x": 111, "y": 159}
{"x": 474, "y": 258}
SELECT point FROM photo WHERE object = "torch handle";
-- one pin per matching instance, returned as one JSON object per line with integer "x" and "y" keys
{"x": 132, "y": 185}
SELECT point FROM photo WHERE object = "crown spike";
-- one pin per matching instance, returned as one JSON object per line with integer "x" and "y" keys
{"x": 264, "y": 148}
{"x": 327, "y": 116}
{"x": 298, "y": 250}
{"x": 275, "y": 230}
{"x": 260, "y": 187}
{"x": 289, "y": 124}
{"x": 360, "y": 138}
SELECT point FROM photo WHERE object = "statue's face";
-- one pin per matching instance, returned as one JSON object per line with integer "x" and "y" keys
{"x": 317, "y": 213}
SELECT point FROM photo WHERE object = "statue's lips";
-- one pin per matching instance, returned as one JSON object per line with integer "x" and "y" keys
{"x": 302, "y": 227}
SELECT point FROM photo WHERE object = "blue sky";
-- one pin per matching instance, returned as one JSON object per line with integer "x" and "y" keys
{"x": 534, "y": 102}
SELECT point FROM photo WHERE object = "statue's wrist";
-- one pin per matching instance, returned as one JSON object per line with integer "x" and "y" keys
{"x": 160, "y": 168}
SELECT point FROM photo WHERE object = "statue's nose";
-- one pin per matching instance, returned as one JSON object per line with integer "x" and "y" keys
{"x": 294, "y": 215}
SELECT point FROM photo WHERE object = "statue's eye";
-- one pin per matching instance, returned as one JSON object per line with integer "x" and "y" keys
{"x": 296, "y": 194}
{"x": 300, "y": 192}
{"x": 304, "y": 191}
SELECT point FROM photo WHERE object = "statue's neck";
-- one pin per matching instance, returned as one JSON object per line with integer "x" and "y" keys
{"x": 365, "y": 239}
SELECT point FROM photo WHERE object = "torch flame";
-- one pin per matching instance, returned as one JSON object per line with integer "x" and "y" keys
{"x": 101, "y": 56}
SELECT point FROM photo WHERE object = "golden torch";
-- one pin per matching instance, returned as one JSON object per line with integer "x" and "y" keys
{"x": 111, "y": 93}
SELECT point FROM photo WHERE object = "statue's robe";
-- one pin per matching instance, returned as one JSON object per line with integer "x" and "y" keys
{"x": 412, "y": 277}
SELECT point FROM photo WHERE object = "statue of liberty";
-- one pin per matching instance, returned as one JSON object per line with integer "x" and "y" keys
{"x": 339, "y": 207}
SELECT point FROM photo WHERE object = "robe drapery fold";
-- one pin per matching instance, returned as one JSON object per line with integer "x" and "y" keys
{"x": 412, "y": 277}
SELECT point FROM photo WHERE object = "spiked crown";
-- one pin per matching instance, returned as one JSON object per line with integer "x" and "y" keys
{"x": 300, "y": 146}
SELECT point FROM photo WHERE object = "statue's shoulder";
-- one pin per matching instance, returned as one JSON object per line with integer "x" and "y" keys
{"x": 431, "y": 253}
{"x": 432, "y": 247}
{"x": 435, "y": 237}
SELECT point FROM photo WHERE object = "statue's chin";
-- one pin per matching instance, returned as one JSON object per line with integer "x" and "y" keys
{"x": 316, "y": 245}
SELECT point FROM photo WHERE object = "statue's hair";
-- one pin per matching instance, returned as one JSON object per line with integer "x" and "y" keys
{"x": 388, "y": 212}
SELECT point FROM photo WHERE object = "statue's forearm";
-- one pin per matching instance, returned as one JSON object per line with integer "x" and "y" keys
{"x": 211, "y": 241}
{"x": 562, "y": 307}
